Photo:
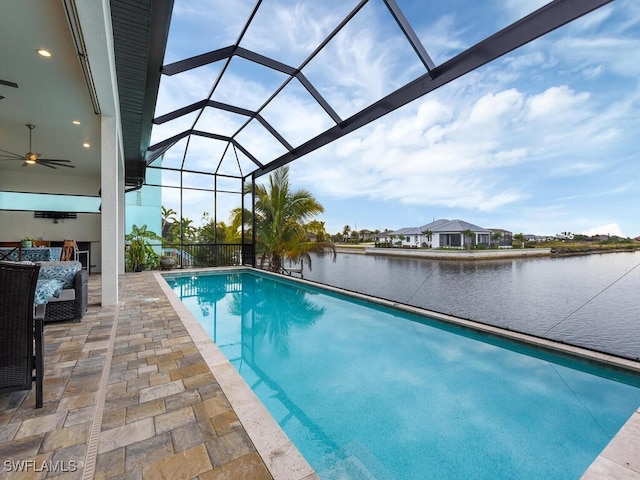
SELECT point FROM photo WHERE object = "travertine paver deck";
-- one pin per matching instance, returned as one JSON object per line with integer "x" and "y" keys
{"x": 163, "y": 415}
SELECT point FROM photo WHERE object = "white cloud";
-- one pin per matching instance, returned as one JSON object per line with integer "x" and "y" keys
{"x": 526, "y": 60}
{"x": 519, "y": 8}
{"x": 290, "y": 30}
{"x": 555, "y": 104}
{"x": 495, "y": 107}
{"x": 572, "y": 169}
{"x": 602, "y": 52}
{"x": 444, "y": 38}
{"x": 593, "y": 20}
{"x": 610, "y": 229}
{"x": 456, "y": 154}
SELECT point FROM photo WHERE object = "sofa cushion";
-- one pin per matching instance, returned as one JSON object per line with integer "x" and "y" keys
{"x": 63, "y": 271}
{"x": 67, "y": 295}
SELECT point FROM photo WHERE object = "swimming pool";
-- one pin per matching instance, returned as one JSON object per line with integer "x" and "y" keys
{"x": 365, "y": 391}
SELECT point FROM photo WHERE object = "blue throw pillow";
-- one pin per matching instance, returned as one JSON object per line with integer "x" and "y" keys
{"x": 63, "y": 271}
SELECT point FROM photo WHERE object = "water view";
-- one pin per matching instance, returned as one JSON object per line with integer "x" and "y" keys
{"x": 365, "y": 391}
{"x": 590, "y": 300}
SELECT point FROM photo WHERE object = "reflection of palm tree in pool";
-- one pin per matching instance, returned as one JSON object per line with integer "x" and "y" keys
{"x": 207, "y": 290}
{"x": 277, "y": 309}
{"x": 208, "y": 296}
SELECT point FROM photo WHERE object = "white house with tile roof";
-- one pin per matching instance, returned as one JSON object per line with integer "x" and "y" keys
{"x": 444, "y": 233}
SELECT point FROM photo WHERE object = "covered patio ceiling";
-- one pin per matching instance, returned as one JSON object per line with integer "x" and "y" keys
{"x": 234, "y": 106}
{"x": 65, "y": 95}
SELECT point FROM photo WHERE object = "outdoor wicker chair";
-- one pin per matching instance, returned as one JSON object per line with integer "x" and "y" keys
{"x": 21, "y": 332}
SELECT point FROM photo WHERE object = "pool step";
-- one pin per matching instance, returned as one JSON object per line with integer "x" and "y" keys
{"x": 353, "y": 461}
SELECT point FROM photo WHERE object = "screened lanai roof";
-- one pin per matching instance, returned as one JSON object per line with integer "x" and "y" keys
{"x": 249, "y": 86}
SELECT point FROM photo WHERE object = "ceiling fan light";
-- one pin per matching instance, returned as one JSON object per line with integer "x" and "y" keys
{"x": 43, "y": 52}
{"x": 30, "y": 159}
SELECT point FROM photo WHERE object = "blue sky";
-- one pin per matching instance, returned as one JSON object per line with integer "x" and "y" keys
{"x": 542, "y": 140}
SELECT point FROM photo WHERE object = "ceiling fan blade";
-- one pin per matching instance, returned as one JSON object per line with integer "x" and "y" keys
{"x": 8, "y": 83}
{"x": 13, "y": 155}
{"x": 45, "y": 165}
{"x": 57, "y": 163}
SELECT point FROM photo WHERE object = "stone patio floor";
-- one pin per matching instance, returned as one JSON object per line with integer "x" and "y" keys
{"x": 127, "y": 394}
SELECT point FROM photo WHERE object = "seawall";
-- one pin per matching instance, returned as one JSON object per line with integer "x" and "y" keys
{"x": 454, "y": 255}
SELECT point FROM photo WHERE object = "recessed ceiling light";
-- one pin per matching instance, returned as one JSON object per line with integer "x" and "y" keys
{"x": 43, "y": 52}
{"x": 86, "y": 145}
{"x": 76, "y": 122}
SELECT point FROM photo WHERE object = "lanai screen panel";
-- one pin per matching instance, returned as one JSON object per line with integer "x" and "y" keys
{"x": 289, "y": 32}
{"x": 186, "y": 88}
{"x": 200, "y": 26}
{"x": 365, "y": 61}
{"x": 291, "y": 104}
{"x": 260, "y": 71}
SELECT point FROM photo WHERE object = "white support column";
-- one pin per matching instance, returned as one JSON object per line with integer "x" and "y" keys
{"x": 112, "y": 211}
{"x": 95, "y": 22}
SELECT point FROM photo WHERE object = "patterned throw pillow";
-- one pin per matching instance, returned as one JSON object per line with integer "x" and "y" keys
{"x": 63, "y": 271}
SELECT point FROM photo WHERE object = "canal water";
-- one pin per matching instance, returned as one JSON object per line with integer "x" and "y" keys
{"x": 591, "y": 301}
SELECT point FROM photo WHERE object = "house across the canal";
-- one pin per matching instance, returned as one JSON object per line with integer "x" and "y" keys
{"x": 447, "y": 233}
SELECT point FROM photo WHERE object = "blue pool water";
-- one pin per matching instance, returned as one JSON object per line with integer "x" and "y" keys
{"x": 365, "y": 391}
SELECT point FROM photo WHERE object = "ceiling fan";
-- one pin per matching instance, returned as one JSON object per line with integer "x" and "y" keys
{"x": 8, "y": 84}
{"x": 31, "y": 158}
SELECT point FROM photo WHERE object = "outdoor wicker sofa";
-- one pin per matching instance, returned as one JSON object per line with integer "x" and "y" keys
{"x": 72, "y": 302}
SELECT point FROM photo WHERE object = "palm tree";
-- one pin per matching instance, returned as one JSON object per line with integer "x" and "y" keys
{"x": 168, "y": 220}
{"x": 496, "y": 236}
{"x": 345, "y": 233}
{"x": 316, "y": 229}
{"x": 167, "y": 216}
{"x": 280, "y": 216}
{"x": 429, "y": 234}
{"x": 211, "y": 232}
{"x": 519, "y": 237}
{"x": 468, "y": 234}
{"x": 187, "y": 229}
